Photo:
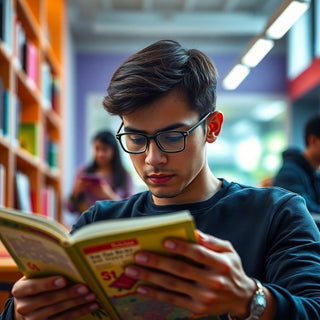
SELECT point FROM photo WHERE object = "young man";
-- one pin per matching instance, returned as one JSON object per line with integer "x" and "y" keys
{"x": 259, "y": 253}
{"x": 300, "y": 170}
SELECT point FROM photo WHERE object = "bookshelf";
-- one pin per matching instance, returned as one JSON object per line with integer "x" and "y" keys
{"x": 31, "y": 76}
{"x": 31, "y": 82}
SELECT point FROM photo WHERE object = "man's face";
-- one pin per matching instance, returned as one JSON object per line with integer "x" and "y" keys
{"x": 171, "y": 177}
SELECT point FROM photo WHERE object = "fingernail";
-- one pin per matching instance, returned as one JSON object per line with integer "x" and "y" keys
{"x": 202, "y": 237}
{"x": 82, "y": 290}
{"x": 169, "y": 244}
{"x": 93, "y": 307}
{"x": 141, "y": 258}
{"x": 91, "y": 296}
{"x": 131, "y": 272}
{"x": 142, "y": 290}
{"x": 60, "y": 282}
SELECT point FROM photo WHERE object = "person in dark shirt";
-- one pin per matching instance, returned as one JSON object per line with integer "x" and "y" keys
{"x": 300, "y": 170}
{"x": 258, "y": 255}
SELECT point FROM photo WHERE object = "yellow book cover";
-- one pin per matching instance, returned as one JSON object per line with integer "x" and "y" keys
{"x": 96, "y": 255}
{"x": 28, "y": 137}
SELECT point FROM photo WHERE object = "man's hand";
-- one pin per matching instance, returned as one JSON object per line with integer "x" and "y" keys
{"x": 210, "y": 281}
{"x": 52, "y": 298}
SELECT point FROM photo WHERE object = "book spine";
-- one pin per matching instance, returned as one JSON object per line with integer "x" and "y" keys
{"x": 23, "y": 192}
{"x": 2, "y": 185}
{"x": 7, "y": 19}
{"x": 15, "y": 117}
{"x": 1, "y": 107}
{"x": 6, "y": 112}
{"x": 32, "y": 64}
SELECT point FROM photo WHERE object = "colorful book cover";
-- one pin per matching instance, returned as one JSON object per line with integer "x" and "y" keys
{"x": 32, "y": 63}
{"x": 46, "y": 80}
{"x": 23, "y": 193}
{"x": 97, "y": 255}
{"x": 29, "y": 136}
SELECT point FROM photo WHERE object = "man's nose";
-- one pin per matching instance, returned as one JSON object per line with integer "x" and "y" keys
{"x": 155, "y": 156}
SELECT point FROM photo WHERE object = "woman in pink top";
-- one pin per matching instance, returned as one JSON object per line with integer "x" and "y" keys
{"x": 104, "y": 178}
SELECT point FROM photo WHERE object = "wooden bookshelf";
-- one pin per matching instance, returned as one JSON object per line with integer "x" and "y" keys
{"x": 31, "y": 89}
{"x": 30, "y": 82}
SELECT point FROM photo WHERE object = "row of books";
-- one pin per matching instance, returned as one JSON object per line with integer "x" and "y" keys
{"x": 10, "y": 114}
{"x": 27, "y": 57}
{"x": 25, "y": 54}
{"x": 25, "y": 197}
{"x": 24, "y": 134}
{"x": 29, "y": 141}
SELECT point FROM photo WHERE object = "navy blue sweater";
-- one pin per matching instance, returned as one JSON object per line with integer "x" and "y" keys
{"x": 271, "y": 230}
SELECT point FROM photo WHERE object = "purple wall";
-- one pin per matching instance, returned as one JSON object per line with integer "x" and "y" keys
{"x": 94, "y": 70}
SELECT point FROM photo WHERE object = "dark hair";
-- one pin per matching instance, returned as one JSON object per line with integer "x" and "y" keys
{"x": 158, "y": 69}
{"x": 118, "y": 170}
{"x": 312, "y": 127}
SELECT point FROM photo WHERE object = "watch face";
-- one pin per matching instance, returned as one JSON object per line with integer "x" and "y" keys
{"x": 259, "y": 304}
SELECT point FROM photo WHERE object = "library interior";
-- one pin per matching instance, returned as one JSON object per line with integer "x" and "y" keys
{"x": 58, "y": 56}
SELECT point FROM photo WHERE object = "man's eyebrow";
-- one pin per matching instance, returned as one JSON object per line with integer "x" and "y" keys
{"x": 173, "y": 126}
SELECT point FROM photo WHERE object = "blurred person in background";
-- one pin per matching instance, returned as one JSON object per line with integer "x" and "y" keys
{"x": 105, "y": 178}
{"x": 300, "y": 170}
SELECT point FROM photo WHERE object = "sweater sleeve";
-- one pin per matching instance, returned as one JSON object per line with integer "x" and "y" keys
{"x": 8, "y": 311}
{"x": 292, "y": 266}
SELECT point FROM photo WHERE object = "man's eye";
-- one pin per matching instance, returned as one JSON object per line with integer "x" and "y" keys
{"x": 136, "y": 139}
{"x": 172, "y": 137}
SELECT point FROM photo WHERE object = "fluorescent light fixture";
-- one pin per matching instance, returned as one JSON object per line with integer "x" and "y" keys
{"x": 286, "y": 19}
{"x": 257, "y": 52}
{"x": 235, "y": 76}
{"x": 266, "y": 111}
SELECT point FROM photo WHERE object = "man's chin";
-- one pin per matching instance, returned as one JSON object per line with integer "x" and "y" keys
{"x": 163, "y": 195}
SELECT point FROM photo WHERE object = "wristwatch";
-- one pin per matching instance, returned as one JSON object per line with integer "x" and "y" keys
{"x": 258, "y": 304}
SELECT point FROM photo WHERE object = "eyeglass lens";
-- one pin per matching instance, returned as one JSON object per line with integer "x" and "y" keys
{"x": 168, "y": 141}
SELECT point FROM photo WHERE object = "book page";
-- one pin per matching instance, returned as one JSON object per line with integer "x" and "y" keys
{"x": 37, "y": 254}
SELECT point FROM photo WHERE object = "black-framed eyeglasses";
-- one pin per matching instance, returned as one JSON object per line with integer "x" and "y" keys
{"x": 167, "y": 141}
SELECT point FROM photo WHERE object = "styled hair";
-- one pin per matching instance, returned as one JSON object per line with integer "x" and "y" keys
{"x": 118, "y": 172}
{"x": 158, "y": 69}
{"x": 312, "y": 127}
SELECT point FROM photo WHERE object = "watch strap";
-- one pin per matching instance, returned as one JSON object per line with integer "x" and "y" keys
{"x": 258, "y": 291}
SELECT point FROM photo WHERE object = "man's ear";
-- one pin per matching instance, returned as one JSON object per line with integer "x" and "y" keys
{"x": 214, "y": 125}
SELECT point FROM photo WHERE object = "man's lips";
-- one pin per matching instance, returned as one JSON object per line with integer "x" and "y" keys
{"x": 160, "y": 178}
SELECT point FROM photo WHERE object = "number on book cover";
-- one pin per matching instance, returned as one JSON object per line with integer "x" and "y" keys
{"x": 107, "y": 276}
{"x": 33, "y": 266}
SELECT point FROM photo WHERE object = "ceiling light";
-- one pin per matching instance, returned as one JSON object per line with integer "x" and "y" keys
{"x": 235, "y": 76}
{"x": 257, "y": 52}
{"x": 286, "y": 19}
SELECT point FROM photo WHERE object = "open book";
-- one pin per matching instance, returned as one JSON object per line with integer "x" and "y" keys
{"x": 97, "y": 255}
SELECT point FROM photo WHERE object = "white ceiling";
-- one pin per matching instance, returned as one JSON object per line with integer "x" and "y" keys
{"x": 220, "y": 25}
